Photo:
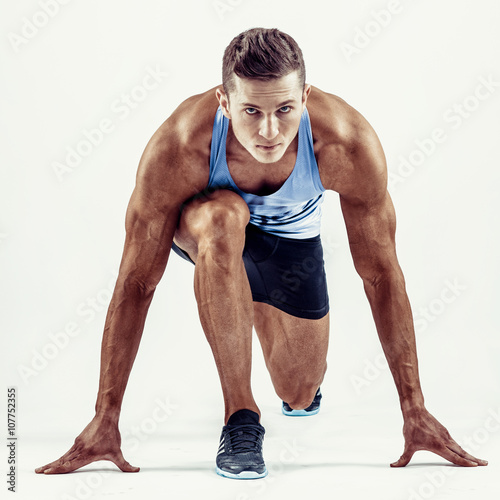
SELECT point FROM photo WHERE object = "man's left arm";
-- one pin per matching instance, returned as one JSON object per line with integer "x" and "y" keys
{"x": 371, "y": 223}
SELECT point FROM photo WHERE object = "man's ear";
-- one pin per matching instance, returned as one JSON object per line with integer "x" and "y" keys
{"x": 223, "y": 99}
{"x": 305, "y": 95}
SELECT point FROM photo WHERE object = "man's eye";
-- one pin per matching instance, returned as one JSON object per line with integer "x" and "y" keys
{"x": 251, "y": 111}
{"x": 285, "y": 109}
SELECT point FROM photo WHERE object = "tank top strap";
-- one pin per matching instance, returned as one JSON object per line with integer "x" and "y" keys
{"x": 219, "y": 172}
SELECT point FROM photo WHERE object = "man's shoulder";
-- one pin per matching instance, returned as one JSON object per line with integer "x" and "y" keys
{"x": 196, "y": 114}
{"x": 349, "y": 154}
{"x": 333, "y": 120}
{"x": 190, "y": 125}
{"x": 180, "y": 149}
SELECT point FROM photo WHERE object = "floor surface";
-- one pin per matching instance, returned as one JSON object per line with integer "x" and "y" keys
{"x": 336, "y": 454}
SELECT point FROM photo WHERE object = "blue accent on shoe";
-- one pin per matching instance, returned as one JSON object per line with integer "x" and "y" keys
{"x": 241, "y": 475}
{"x": 299, "y": 413}
{"x": 312, "y": 409}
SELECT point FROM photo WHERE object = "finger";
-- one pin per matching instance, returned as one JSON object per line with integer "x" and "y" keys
{"x": 122, "y": 464}
{"x": 454, "y": 457}
{"x": 51, "y": 465}
{"x": 67, "y": 456}
{"x": 69, "y": 465}
{"x": 471, "y": 458}
{"x": 40, "y": 470}
{"x": 404, "y": 460}
{"x": 460, "y": 451}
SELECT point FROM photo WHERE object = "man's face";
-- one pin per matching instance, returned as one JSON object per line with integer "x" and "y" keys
{"x": 265, "y": 116}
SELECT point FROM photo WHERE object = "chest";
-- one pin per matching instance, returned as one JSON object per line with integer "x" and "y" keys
{"x": 259, "y": 178}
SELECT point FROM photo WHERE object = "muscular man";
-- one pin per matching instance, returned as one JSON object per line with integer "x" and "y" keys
{"x": 233, "y": 181}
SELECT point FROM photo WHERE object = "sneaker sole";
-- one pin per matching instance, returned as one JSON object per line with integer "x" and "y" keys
{"x": 242, "y": 475}
{"x": 299, "y": 413}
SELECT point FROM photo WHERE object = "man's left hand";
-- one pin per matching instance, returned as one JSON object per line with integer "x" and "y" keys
{"x": 423, "y": 432}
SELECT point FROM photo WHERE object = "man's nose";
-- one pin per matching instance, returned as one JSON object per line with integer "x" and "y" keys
{"x": 269, "y": 128}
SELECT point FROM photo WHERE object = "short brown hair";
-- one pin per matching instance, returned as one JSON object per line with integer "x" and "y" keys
{"x": 263, "y": 54}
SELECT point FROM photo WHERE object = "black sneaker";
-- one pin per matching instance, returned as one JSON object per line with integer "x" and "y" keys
{"x": 240, "y": 448}
{"x": 312, "y": 409}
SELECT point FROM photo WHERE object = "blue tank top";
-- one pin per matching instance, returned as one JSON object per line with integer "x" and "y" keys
{"x": 294, "y": 210}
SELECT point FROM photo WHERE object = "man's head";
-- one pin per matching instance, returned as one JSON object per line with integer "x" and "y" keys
{"x": 264, "y": 91}
{"x": 264, "y": 54}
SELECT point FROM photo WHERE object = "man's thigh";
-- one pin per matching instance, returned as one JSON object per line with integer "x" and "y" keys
{"x": 288, "y": 283}
{"x": 295, "y": 350}
{"x": 286, "y": 273}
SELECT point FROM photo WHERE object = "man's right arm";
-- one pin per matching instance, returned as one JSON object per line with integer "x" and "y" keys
{"x": 151, "y": 221}
{"x": 167, "y": 177}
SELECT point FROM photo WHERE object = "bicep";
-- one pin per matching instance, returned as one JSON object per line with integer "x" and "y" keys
{"x": 154, "y": 208}
{"x": 359, "y": 175}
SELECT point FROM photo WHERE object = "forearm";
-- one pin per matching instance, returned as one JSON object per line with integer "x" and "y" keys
{"x": 121, "y": 338}
{"x": 394, "y": 321}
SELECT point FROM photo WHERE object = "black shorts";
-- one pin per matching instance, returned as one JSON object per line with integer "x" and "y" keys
{"x": 286, "y": 273}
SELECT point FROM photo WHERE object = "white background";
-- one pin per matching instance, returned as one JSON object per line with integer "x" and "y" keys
{"x": 61, "y": 238}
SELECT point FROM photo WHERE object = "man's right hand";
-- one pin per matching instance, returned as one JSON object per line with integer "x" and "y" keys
{"x": 100, "y": 440}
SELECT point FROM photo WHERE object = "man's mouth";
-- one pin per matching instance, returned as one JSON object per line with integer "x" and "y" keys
{"x": 268, "y": 148}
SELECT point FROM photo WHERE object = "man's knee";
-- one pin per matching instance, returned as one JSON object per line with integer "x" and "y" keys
{"x": 297, "y": 387}
{"x": 223, "y": 212}
{"x": 299, "y": 397}
{"x": 214, "y": 224}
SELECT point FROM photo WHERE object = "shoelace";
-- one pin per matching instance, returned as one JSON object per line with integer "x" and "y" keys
{"x": 244, "y": 438}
